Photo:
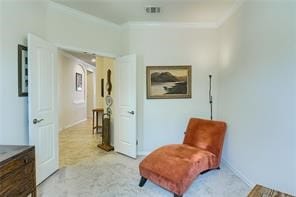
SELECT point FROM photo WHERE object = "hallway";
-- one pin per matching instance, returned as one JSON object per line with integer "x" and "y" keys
{"x": 77, "y": 143}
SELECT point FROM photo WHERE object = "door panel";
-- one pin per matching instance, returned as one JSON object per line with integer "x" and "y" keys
{"x": 126, "y": 118}
{"x": 45, "y": 75}
{"x": 43, "y": 122}
{"x": 45, "y": 141}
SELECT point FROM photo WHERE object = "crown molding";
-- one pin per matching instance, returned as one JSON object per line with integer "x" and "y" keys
{"x": 82, "y": 14}
{"x": 230, "y": 12}
{"x": 133, "y": 24}
{"x": 171, "y": 25}
{"x": 197, "y": 25}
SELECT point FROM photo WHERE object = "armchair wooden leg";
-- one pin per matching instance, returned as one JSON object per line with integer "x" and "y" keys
{"x": 176, "y": 195}
{"x": 209, "y": 170}
{"x": 142, "y": 182}
{"x": 204, "y": 172}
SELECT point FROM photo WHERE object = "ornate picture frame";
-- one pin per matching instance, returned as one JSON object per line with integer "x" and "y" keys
{"x": 168, "y": 82}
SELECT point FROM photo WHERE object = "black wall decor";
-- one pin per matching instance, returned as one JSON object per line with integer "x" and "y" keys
{"x": 210, "y": 97}
{"x": 109, "y": 84}
{"x": 23, "y": 82}
{"x": 102, "y": 87}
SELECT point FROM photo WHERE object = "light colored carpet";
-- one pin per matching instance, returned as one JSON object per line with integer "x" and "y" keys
{"x": 87, "y": 171}
{"x": 114, "y": 175}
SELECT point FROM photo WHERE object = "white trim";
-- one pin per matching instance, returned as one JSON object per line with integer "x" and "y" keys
{"x": 98, "y": 53}
{"x": 90, "y": 69}
{"x": 197, "y": 25}
{"x": 238, "y": 173}
{"x": 79, "y": 13}
{"x": 143, "y": 153}
{"x": 172, "y": 25}
{"x": 73, "y": 124}
{"x": 78, "y": 102}
{"x": 230, "y": 12}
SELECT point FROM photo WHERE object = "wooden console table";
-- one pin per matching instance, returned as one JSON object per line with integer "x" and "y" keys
{"x": 261, "y": 191}
{"x": 96, "y": 125}
{"x": 17, "y": 171}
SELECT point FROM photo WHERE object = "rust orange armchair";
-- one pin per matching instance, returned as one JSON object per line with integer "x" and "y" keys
{"x": 174, "y": 167}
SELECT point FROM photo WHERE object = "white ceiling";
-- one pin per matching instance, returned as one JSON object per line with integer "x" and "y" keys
{"x": 123, "y": 11}
{"x": 83, "y": 56}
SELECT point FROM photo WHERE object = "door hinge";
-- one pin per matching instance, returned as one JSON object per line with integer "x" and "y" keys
{"x": 137, "y": 142}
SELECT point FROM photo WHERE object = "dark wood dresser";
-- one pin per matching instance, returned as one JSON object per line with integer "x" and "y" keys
{"x": 261, "y": 191}
{"x": 17, "y": 171}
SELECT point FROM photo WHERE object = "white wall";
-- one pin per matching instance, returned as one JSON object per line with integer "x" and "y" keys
{"x": 163, "y": 121}
{"x": 67, "y": 27}
{"x": 72, "y": 103}
{"x": 1, "y": 72}
{"x": 257, "y": 93}
{"x": 59, "y": 25}
{"x": 17, "y": 18}
{"x": 90, "y": 93}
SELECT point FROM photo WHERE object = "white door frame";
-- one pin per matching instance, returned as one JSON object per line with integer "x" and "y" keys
{"x": 98, "y": 53}
{"x": 93, "y": 71}
{"x": 90, "y": 51}
{"x": 94, "y": 80}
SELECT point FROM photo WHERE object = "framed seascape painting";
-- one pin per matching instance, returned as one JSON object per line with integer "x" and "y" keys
{"x": 23, "y": 82}
{"x": 168, "y": 82}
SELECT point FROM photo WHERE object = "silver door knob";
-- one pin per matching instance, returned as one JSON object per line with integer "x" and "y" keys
{"x": 131, "y": 112}
{"x": 35, "y": 121}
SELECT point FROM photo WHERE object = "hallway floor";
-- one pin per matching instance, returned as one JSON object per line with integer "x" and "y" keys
{"x": 78, "y": 143}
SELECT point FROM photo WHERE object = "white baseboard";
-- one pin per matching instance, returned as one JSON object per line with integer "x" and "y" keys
{"x": 73, "y": 124}
{"x": 143, "y": 153}
{"x": 238, "y": 173}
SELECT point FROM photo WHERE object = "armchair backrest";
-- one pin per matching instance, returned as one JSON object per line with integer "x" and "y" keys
{"x": 206, "y": 134}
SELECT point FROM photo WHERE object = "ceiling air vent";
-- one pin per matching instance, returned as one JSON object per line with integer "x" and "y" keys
{"x": 152, "y": 10}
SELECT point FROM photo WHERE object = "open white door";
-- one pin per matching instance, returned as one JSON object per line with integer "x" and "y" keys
{"x": 43, "y": 122}
{"x": 125, "y": 135}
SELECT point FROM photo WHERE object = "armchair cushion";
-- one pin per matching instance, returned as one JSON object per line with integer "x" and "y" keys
{"x": 175, "y": 166}
{"x": 206, "y": 134}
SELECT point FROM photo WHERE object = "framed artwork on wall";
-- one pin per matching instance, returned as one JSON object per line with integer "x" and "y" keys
{"x": 23, "y": 82}
{"x": 168, "y": 82}
{"x": 78, "y": 82}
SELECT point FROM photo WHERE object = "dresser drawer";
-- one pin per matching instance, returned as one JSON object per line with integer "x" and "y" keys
{"x": 17, "y": 162}
{"x": 19, "y": 182}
